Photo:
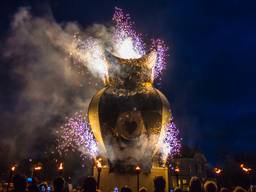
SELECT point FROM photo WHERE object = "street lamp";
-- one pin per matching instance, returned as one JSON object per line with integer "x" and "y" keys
{"x": 177, "y": 171}
{"x": 99, "y": 167}
{"x": 138, "y": 171}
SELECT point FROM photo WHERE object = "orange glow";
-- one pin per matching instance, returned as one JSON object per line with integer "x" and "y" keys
{"x": 137, "y": 168}
{"x": 245, "y": 169}
{"x": 38, "y": 168}
{"x": 60, "y": 168}
{"x": 177, "y": 170}
{"x": 98, "y": 164}
{"x": 218, "y": 171}
{"x": 13, "y": 168}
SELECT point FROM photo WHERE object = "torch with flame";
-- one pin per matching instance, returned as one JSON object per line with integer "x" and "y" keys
{"x": 13, "y": 168}
{"x": 217, "y": 170}
{"x": 99, "y": 167}
{"x": 177, "y": 171}
{"x": 38, "y": 168}
{"x": 245, "y": 168}
{"x": 138, "y": 171}
{"x": 60, "y": 168}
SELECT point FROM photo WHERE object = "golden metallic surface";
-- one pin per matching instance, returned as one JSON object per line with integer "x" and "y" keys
{"x": 140, "y": 69}
{"x": 146, "y": 61}
{"x": 93, "y": 113}
{"x": 166, "y": 115}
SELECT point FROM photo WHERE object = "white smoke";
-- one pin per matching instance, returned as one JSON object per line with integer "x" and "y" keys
{"x": 52, "y": 83}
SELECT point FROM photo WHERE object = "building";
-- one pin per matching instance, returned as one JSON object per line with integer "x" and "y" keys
{"x": 186, "y": 166}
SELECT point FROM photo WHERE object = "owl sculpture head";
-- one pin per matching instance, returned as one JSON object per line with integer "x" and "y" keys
{"x": 130, "y": 73}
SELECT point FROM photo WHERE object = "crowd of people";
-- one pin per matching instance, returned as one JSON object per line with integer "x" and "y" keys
{"x": 20, "y": 184}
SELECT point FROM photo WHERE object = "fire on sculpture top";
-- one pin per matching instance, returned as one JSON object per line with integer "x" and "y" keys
{"x": 130, "y": 73}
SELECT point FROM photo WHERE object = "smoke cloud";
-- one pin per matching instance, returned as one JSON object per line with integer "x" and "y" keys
{"x": 59, "y": 68}
{"x": 52, "y": 84}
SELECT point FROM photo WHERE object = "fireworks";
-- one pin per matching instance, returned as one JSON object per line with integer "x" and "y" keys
{"x": 171, "y": 142}
{"x": 123, "y": 41}
{"x": 76, "y": 134}
{"x": 127, "y": 42}
{"x": 161, "y": 50}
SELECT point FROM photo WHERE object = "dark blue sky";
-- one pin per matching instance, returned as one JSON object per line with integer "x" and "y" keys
{"x": 210, "y": 78}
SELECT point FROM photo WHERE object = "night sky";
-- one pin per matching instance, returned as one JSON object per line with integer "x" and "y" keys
{"x": 210, "y": 77}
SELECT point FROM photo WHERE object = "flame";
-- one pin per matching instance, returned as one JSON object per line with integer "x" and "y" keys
{"x": 217, "y": 170}
{"x": 61, "y": 166}
{"x": 98, "y": 164}
{"x": 177, "y": 170}
{"x": 38, "y": 168}
{"x": 125, "y": 49}
{"x": 13, "y": 168}
{"x": 137, "y": 168}
{"x": 245, "y": 169}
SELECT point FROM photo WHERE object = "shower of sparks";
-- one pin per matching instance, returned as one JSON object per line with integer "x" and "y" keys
{"x": 162, "y": 54}
{"x": 91, "y": 53}
{"x": 127, "y": 42}
{"x": 123, "y": 42}
{"x": 75, "y": 135}
{"x": 171, "y": 141}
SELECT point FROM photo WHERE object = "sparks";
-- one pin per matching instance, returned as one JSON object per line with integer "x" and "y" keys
{"x": 162, "y": 54}
{"x": 123, "y": 41}
{"x": 171, "y": 141}
{"x": 128, "y": 43}
{"x": 76, "y": 134}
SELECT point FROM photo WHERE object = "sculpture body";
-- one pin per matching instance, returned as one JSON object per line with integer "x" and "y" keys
{"x": 129, "y": 116}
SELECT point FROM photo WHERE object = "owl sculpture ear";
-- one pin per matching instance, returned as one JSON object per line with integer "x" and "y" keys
{"x": 146, "y": 63}
{"x": 150, "y": 59}
{"x": 147, "y": 60}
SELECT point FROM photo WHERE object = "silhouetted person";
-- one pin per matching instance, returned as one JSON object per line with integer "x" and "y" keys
{"x": 210, "y": 186}
{"x": 126, "y": 189}
{"x": 159, "y": 184}
{"x": 43, "y": 187}
{"x": 177, "y": 189}
{"x": 90, "y": 184}
{"x": 223, "y": 189}
{"x": 33, "y": 187}
{"x": 239, "y": 189}
{"x": 195, "y": 185}
{"x": 59, "y": 185}
{"x": 143, "y": 189}
{"x": 19, "y": 183}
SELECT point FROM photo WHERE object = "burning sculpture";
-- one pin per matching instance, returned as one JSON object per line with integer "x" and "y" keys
{"x": 130, "y": 123}
{"x": 129, "y": 116}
